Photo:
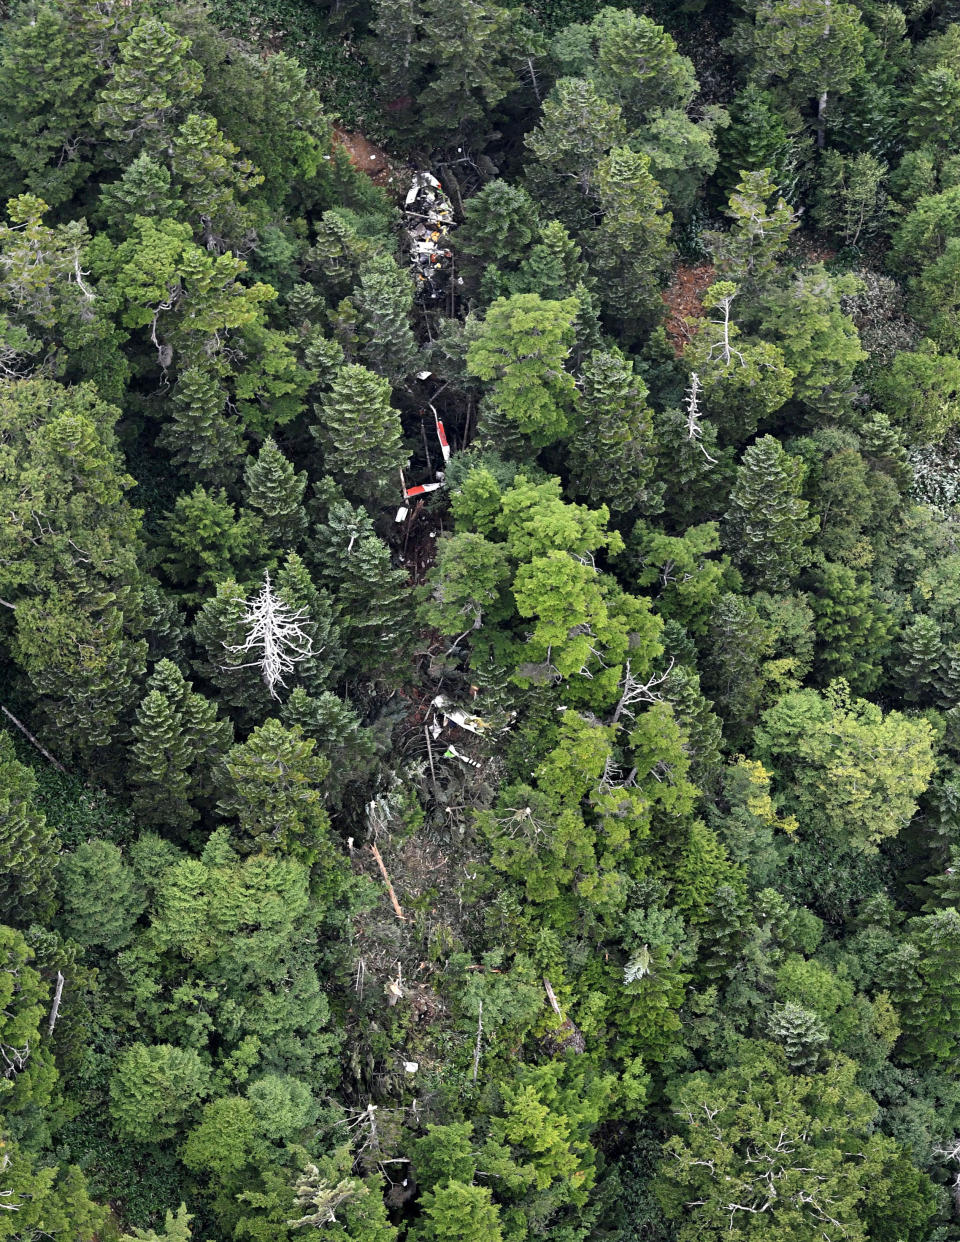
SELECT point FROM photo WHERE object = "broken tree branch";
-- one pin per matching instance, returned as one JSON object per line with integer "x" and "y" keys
{"x": 55, "y": 1008}
{"x": 386, "y": 879}
{"x": 30, "y": 738}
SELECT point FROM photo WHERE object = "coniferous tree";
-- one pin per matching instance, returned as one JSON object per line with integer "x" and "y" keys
{"x": 631, "y": 248}
{"x": 360, "y": 431}
{"x": 178, "y": 739}
{"x": 296, "y": 588}
{"x": 273, "y": 788}
{"x": 152, "y": 79}
{"x": 611, "y": 453}
{"x": 768, "y": 524}
{"x": 384, "y": 301}
{"x": 800, "y": 1033}
{"x": 27, "y": 844}
{"x": 202, "y": 434}
{"x": 275, "y": 491}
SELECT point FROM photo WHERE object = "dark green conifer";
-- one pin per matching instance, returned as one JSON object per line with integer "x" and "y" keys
{"x": 275, "y": 491}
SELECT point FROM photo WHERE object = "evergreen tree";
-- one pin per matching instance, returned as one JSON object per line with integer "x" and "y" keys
{"x": 153, "y": 1088}
{"x": 923, "y": 984}
{"x": 296, "y": 588}
{"x": 458, "y": 1212}
{"x": 360, "y": 431}
{"x": 47, "y": 1200}
{"x": 202, "y": 434}
{"x": 470, "y": 53}
{"x": 800, "y": 1033}
{"x": 767, "y": 524}
{"x": 814, "y": 46}
{"x": 275, "y": 491}
{"x": 219, "y": 633}
{"x": 577, "y": 128}
{"x": 178, "y": 739}
{"x": 631, "y": 249}
{"x": 761, "y": 230}
{"x": 273, "y": 788}
{"x": 852, "y": 627}
{"x": 520, "y": 348}
{"x": 28, "y": 845}
{"x": 384, "y": 301}
{"x": 611, "y": 452}
{"x": 499, "y": 223}
{"x": 757, "y": 138}
{"x": 153, "y": 79}
{"x": 52, "y": 61}
{"x": 145, "y": 189}
{"x": 917, "y": 660}
{"x": 102, "y": 897}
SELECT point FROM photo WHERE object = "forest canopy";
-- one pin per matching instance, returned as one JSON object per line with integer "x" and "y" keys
{"x": 480, "y": 621}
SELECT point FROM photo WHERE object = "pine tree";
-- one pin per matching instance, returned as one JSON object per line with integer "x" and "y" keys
{"x": 373, "y": 603}
{"x": 577, "y": 128}
{"x": 275, "y": 491}
{"x": 631, "y": 249}
{"x": 384, "y": 302}
{"x": 52, "y": 61}
{"x": 458, "y": 1212}
{"x": 470, "y": 52}
{"x": 767, "y": 524}
{"x": 800, "y": 1033}
{"x": 203, "y": 435}
{"x": 273, "y": 788}
{"x": 360, "y": 431}
{"x": 922, "y": 979}
{"x": 931, "y": 109}
{"x": 28, "y": 846}
{"x": 611, "y": 453}
{"x": 392, "y": 49}
{"x": 499, "y": 223}
{"x": 852, "y": 627}
{"x": 217, "y": 629}
{"x": 917, "y": 665}
{"x": 153, "y": 1088}
{"x": 178, "y": 739}
{"x": 521, "y": 349}
{"x": 554, "y": 267}
{"x": 637, "y": 63}
{"x": 211, "y": 179}
{"x": 756, "y": 138}
{"x": 145, "y": 189}
{"x": 152, "y": 79}
{"x": 335, "y": 726}
{"x": 102, "y": 896}
{"x": 748, "y": 252}
{"x": 814, "y": 46}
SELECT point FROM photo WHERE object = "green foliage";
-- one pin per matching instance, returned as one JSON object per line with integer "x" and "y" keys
{"x": 154, "y": 1088}
{"x": 102, "y": 896}
{"x": 272, "y": 788}
{"x": 767, "y": 523}
{"x": 520, "y": 349}
{"x": 27, "y": 843}
{"x": 874, "y": 765}
{"x": 359, "y": 431}
{"x": 814, "y": 1129}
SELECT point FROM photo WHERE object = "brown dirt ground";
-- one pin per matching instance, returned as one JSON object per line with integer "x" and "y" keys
{"x": 683, "y": 301}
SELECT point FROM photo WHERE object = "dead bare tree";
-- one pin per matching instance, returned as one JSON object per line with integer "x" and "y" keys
{"x": 634, "y": 691}
{"x": 692, "y": 404}
{"x": 276, "y": 632}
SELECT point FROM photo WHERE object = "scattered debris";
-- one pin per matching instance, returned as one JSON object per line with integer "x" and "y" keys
{"x": 429, "y": 219}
